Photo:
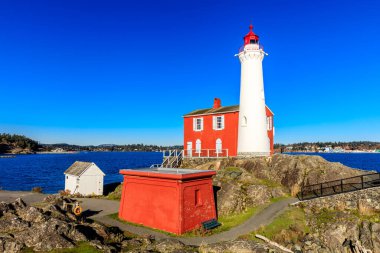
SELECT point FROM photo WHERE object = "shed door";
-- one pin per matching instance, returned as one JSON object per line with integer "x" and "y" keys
{"x": 189, "y": 148}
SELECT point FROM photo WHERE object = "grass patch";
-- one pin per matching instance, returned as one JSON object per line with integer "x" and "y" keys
{"x": 228, "y": 221}
{"x": 83, "y": 247}
{"x": 269, "y": 183}
{"x": 287, "y": 227}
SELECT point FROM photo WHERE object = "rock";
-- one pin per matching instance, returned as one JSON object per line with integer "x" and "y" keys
{"x": 5, "y": 208}
{"x": 241, "y": 246}
{"x": 376, "y": 237}
{"x": 32, "y": 214}
{"x": 13, "y": 225}
{"x": 10, "y": 245}
{"x": 168, "y": 245}
{"x": 365, "y": 235}
{"x": 18, "y": 204}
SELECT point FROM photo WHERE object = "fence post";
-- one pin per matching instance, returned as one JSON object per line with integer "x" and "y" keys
{"x": 321, "y": 190}
{"x": 208, "y": 153}
{"x": 341, "y": 185}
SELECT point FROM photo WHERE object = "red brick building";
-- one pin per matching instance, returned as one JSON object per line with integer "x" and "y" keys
{"x": 213, "y": 132}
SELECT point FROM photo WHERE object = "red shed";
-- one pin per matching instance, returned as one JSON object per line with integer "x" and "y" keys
{"x": 213, "y": 132}
{"x": 173, "y": 200}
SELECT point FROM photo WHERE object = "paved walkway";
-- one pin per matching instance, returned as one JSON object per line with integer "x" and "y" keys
{"x": 264, "y": 217}
{"x": 100, "y": 208}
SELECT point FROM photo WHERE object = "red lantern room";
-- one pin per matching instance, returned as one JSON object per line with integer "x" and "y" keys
{"x": 251, "y": 37}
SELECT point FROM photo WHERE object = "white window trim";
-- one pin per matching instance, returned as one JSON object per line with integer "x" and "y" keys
{"x": 215, "y": 122}
{"x": 198, "y": 149}
{"x": 269, "y": 123}
{"x": 195, "y": 124}
{"x": 219, "y": 149}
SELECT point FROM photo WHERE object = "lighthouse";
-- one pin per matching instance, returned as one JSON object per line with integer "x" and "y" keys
{"x": 252, "y": 127}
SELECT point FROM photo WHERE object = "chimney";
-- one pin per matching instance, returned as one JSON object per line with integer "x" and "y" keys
{"x": 217, "y": 103}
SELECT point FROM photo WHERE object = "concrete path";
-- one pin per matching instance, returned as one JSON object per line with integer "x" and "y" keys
{"x": 264, "y": 217}
{"x": 27, "y": 197}
{"x": 100, "y": 208}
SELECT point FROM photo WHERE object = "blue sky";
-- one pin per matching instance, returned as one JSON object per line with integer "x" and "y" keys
{"x": 93, "y": 72}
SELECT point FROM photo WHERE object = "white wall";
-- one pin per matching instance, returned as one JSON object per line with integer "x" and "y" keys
{"x": 252, "y": 135}
{"x": 90, "y": 182}
{"x": 70, "y": 183}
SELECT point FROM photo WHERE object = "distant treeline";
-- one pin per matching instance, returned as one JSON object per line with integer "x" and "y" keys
{"x": 109, "y": 147}
{"x": 353, "y": 145}
{"x": 9, "y": 142}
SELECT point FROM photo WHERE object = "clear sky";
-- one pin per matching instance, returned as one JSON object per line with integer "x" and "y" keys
{"x": 93, "y": 72}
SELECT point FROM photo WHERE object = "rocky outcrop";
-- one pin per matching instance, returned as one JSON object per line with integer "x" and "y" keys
{"x": 365, "y": 202}
{"x": 237, "y": 190}
{"x": 347, "y": 222}
{"x": 245, "y": 246}
{"x": 290, "y": 171}
{"x": 50, "y": 227}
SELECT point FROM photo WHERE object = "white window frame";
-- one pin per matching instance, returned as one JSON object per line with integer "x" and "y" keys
{"x": 198, "y": 146}
{"x": 197, "y": 126}
{"x": 269, "y": 123}
{"x": 215, "y": 122}
{"x": 219, "y": 146}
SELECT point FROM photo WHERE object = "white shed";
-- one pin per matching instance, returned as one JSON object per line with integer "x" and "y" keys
{"x": 85, "y": 178}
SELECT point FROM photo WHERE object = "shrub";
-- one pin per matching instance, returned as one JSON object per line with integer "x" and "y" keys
{"x": 37, "y": 189}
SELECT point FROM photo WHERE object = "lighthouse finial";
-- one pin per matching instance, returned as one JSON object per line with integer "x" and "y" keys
{"x": 251, "y": 27}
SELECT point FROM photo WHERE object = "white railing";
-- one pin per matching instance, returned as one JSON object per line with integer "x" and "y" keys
{"x": 172, "y": 158}
{"x": 205, "y": 153}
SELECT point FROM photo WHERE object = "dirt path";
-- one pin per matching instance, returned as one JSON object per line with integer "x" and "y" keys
{"x": 100, "y": 208}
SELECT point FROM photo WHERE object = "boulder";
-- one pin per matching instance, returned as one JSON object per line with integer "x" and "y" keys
{"x": 169, "y": 245}
{"x": 10, "y": 245}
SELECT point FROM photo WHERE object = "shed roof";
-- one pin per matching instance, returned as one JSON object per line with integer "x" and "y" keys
{"x": 222, "y": 109}
{"x": 77, "y": 168}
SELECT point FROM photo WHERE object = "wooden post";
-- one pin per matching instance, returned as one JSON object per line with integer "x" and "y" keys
{"x": 321, "y": 191}
{"x": 341, "y": 185}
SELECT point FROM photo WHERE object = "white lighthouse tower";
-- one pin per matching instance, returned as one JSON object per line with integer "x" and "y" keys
{"x": 252, "y": 134}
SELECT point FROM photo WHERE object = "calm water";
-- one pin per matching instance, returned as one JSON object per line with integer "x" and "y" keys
{"x": 46, "y": 170}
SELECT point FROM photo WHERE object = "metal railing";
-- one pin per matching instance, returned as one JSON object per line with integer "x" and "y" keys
{"x": 205, "y": 153}
{"x": 339, "y": 186}
{"x": 172, "y": 158}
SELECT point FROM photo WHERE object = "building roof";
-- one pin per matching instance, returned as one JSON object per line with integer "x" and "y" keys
{"x": 77, "y": 168}
{"x": 222, "y": 109}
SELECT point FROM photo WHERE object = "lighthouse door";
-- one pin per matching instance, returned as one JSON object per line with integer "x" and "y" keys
{"x": 189, "y": 149}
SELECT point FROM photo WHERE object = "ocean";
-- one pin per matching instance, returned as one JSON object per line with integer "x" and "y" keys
{"x": 46, "y": 170}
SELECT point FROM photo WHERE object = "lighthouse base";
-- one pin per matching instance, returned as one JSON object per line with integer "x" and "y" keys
{"x": 253, "y": 154}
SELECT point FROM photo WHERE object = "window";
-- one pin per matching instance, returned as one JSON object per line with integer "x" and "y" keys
{"x": 218, "y": 122}
{"x": 198, "y": 146}
{"x": 67, "y": 177}
{"x": 244, "y": 121}
{"x": 198, "y": 124}
{"x": 218, "y": 146}
{"x": 269, "y": 123}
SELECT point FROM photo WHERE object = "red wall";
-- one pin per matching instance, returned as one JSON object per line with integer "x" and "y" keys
{"x": 208, "y": 136}
{"x": 167, "y": 204}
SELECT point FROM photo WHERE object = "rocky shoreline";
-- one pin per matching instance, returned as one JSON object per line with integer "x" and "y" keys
{"x": 348, "y": 222}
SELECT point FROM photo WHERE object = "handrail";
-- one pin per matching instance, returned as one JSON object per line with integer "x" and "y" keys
{"x": 339, "y": 186}
{"x": 205, "y": 153}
